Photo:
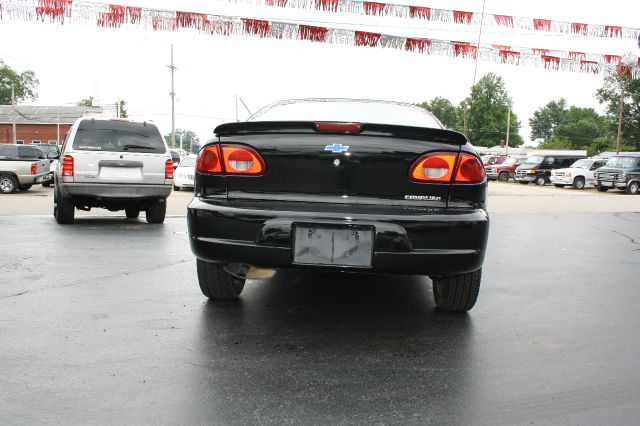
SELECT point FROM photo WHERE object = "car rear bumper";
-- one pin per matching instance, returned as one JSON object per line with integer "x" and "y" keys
{"x": 119, "y": 191}
{"x": 32, "y": 179}
{"x": 423, "y": 242}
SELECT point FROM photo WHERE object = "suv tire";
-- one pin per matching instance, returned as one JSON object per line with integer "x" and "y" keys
{"x": 524, "y": 182}
{"x": 24, "y": 187}
{"x": 132, "y": 212}
{"x": 156, "y": 211}
{"x": 457, "y": 293}
{"x": 503, "y": 176}
{"x": 216, "y": 283}
{"x": 578, "y": 182}
{"x": 176, "y": 188}
{"x": 63, "y": 209}
{"x": 540, "y": 180}
{"x": 558, "y": 185}
{"x": 633, "y": 188}
{"x": 601, "y": 188}
{"x": 8, "y": 184}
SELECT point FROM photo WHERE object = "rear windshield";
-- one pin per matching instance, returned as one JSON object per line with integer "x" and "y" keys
{"x": 118, "y": 136}
{"x": 30, "y": 152}
{"x": 623, "y": 162}
{"x": 188, "y": 162}
{"x": 347, "y": 110}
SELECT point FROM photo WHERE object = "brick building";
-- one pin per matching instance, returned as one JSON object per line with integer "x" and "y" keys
{"x": 40, "y": 124}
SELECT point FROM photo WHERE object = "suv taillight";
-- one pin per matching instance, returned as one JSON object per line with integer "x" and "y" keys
{"x": 442, "y": 167}
{"x": 34, "y": 168}
{"x": 67, "y": 165}
{"x": 168, "y": 169}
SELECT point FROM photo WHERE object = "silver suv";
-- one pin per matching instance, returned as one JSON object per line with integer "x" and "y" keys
{"x": 116, "y": 165}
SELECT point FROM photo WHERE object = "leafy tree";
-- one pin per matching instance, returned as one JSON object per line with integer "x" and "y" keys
{"x": 189, "y": 140}
{"x": 609, "y": 95}
{"x": 580, "y": 126}
{"x": 86, "y": 102}
{"x": 25, "y": 85}
{"x": 122, "y": 108}
{"x": 556, "y": 143}
{"x": 545, "y": 119}
{"x": 487, "y": 114}
{"x": 444, "y": 110}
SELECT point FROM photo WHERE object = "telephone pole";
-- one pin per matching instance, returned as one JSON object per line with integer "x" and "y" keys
{"x": 620, "y": 119}
{"x": 508, "y": 128}
{"x": 173, "y": 102}
{"x": 13, "y": 110}
{"x": 465, "y": 120}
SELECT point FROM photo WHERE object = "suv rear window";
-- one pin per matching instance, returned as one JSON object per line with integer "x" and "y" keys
{"x": 118, "y": 136}
{"x": 7, "y": 151}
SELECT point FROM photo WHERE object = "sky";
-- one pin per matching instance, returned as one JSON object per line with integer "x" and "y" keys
{"x": 74, "y": 62}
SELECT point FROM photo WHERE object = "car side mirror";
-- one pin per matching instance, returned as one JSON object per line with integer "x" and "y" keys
{"x": 53, "y": 155}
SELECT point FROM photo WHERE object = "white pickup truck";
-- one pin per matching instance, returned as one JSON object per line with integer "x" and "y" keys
{"x": 579, "y": 175}
{"x": 21, "y": 167}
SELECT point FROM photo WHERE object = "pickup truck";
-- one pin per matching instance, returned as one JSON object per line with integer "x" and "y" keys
{"x": 505, "y": 170}
{"x": 21, "y": 167}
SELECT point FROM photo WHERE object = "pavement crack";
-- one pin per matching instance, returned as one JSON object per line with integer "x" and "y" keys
{"x": 632, "y": 240}
{"x": 15, "y": 295}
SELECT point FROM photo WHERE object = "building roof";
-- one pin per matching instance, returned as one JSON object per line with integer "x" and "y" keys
{"x": 31, "y": 114}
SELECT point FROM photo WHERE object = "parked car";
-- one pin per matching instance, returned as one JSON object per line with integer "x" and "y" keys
{"x": 51, "y": 152}
{"x": 183, "y": 174}
{"x": 340, "y": 185}
{"x": 504, "y": 171}
{"x": 621, "y": 172}
{"x": 490, "y": 160}
{"x": 537, "y": 168}
{"x": 175, "y": 157}
{"x": 578, "y": 175}
{"x": 21, "y": 167}
{"x": 116, "y": 165}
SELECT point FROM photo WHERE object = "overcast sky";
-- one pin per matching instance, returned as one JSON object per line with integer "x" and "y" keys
{"x": 75, "y": 62}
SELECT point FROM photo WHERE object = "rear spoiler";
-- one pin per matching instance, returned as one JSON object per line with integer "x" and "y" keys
{"x": 382, "y": 130}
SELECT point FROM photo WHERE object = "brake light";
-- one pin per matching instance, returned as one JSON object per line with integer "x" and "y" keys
{"x": 242, "y": 160}
{"x": 34, "y": 168}
{"x": 470, "y": 169}
{"x": 168, "y": 169}
{"x": 120, "y": 119}
{"x": 434, "y": 167}
{"x": 337, "y": 127}
{"x": 67, "y": 165}
{"x": 209, "y": 160}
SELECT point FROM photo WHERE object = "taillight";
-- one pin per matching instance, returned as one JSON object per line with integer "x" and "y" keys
{"x": 440, "y": 167}
{"x": 470, "y": 169}
{"x": 34, "y": 168}
{"x": 168, "y": 169}
{"x": 324, "y": 126}
{"x": 242, "y": 160}
{"x": 67, "y": 165}
{"x": 209, "y": 160}
{"x": 434, "y": 167}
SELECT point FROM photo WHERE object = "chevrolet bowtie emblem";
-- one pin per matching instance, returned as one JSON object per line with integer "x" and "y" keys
{"x": 337, "y": 148}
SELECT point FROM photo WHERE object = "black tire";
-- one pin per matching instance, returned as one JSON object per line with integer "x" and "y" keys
{"x": 156, "y": 211}
{"x": 633, "y": 188}
{"x": 503, "y": 177}
{"x": 216, "y": 283}
{"x": 176, "y": 188}
{"x": 524, "y": 182}
{"x": 601, "y": 188}
{"x": 8, "y": 184}
{"x": 132, "y": 212}
{"x": 578, "y": 182}
{"x": 63, "y": 209}
{"x": 457, "y": 293}
{"x": 24, "y": 187}
{"x": 558, "y": 185}
{"x": 540, "y": 180}
{"x": 47, "y": 183}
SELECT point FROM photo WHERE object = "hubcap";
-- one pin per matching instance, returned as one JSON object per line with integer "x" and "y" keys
{"x": 6, "y": 185}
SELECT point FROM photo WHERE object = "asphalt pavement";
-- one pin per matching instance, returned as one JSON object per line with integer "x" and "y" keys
{"x": 102, "y": 322}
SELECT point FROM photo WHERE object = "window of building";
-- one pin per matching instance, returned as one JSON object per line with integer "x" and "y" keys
{"x": 52, "y": 142}
{"x": 36, "y": 141}
{"x": 19, "y": 142}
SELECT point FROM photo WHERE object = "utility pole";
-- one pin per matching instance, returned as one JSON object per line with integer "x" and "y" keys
{"x": 173, "y": 102}
{"x": 13, "y": 110}
{"x": 237, "y": 108}
{"x": 58, "y": 127}
{"x": 465, "y": 120}
{"x": 508, "y": 128}
{"x": 620, "y": 118}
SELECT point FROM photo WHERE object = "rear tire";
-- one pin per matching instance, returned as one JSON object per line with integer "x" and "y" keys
{"x": 503, "y": 177}
{"x": 132, "y": 212}
{"x": 601, "y": 188}
{"x": 540, "y": 180}
{"x": 156, "y": 211}
{"x": 558, "y": 185}
{"x": 8, "y": 184}
{"x": 63, "y": 209}
{"x": 24, "y": 187}
{"x": 524, "y": 182}
{"x": 216, "y": 283}
{"x": 176, "y": 188}
{"x": 47, "y": 183}
{"x": 632, "y": 188}
{"x": 578, "y": 183}
{"x": 457, "y": 293}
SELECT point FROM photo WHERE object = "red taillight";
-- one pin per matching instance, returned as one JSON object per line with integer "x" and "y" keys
{"x": 470, "y": 169}
{"x": 209, "y": 160}
{"x": 242, "y": 160}
{"x": 67, "y": 165}
{"x": 168, "y": 169}
{"x": 34, "y": 168}
{"x": 440, "y": 166}
{"x": 337, "y": 127}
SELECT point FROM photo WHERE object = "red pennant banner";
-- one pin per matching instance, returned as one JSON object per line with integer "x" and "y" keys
{"x": 317, "y": 34}
{"x": 578, "y": 55}
{"x": 421, "y": 45}
{"x": 279, "y": 3}
{"x": 552, "y": 62}
{"x": 613, "y": 31}
{"x": 612, "y": 59}
{"x": 504, "y": 20}
{"x": 371, "y": 8}
{"x": 509, "y": 57}
{"x": 590, "y": 67}
{"x": 162, "y": 23}
{"x": 363, "y": 38}
{"x": 420, "y": 12}
{"x": 257, "y": 27}
{"x": 542, "y": 24}
{"x": 54, "y": 10}
{"x": 540, "y": 51}
{"x": 624, "y": 71}
{"x": 578, "y": 28}
{"x": 327, "y": 5}
{"x": 464, "y": 49}
{"x": 134, "y": 14}
{"x": 462, "y": 17}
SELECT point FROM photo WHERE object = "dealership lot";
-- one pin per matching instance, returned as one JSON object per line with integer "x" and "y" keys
{"x": 103, "y": 322}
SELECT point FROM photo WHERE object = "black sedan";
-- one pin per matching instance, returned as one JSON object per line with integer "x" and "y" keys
{"x": 342, "y": 185}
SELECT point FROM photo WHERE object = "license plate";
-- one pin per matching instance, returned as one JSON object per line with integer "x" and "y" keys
{"x": 352, "y": 246}
{"x": 606, "y": 184}
{"x": 120, "y": 172}
{"x": 41, "y": 179}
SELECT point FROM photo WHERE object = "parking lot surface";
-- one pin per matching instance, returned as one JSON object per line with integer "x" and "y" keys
{"x": 102, "y": 322}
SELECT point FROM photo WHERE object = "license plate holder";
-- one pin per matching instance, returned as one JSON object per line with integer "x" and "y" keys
{"x": 120, "y": 172}
{"x": 333, "y": 245}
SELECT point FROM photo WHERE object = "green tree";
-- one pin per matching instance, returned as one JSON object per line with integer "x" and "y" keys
{"x": 580, "y": 126}
{"x": 189, "y": 140}
{"x": 556, "y": 143}
{"x": 25, "y": 85}
{"x": 86, "y": 102}
{"x": 444, "y": 110}
{"x": 545, "y": 119}
{"x": 609, "y": 95}
{"x": 489, "y": 106}
{"x": 122, "y": 109}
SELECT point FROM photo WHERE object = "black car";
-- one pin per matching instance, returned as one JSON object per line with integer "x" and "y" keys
{"x": 621, "y": 172}
{"x": 341, "y": 185}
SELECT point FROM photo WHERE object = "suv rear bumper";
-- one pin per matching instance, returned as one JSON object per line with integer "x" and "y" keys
{"x": 98, "y": 190}
{"x": 32, "y": 179}
{"x": 429, "y": 242}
